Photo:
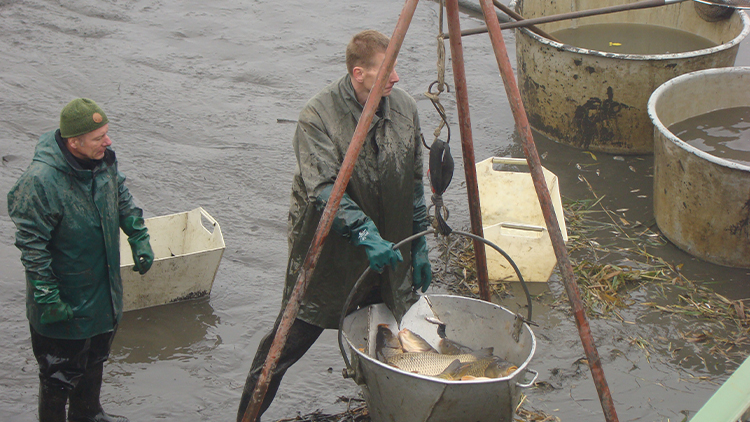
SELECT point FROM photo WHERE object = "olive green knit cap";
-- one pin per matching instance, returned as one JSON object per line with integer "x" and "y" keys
{"x": 81, "y": 116}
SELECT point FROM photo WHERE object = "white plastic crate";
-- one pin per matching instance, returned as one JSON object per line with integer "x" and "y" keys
{"x": 186, "y": 258}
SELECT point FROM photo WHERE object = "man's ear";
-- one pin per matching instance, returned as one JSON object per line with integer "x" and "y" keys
{"x": 72, "y": 142}
{"x": 358, "y": 74}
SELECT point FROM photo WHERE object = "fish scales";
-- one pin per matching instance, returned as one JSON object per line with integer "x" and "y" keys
{"x": 430, "y": 364}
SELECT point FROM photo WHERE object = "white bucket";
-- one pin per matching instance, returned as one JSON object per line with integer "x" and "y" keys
{"x": 512, "y": 219}
{"x": 186, "y": 258}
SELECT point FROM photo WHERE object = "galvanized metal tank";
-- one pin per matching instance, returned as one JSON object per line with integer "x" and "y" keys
{"x": 394, "y": 395}
{"x": 701, "y": 202}
{"x": 597, "y": 100}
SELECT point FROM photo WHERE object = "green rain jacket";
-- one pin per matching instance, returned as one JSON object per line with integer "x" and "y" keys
{"x": 382, "y": 184}
{"x": 68, "y": 222}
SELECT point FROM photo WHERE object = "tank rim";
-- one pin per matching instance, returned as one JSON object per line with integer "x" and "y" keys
{"x": 649, "y": 57}
{"x": 651, "y": 108}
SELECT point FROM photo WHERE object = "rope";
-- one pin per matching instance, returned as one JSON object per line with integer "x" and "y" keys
{"x": 440, "y": 82}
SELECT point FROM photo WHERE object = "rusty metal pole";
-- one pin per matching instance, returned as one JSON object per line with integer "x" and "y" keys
{"x": 326, "y": 219}
{"x": 535, "y": 166}
{"x": 467, "y": 144}
{"x": 512, "y": 13}
{"x": 644, "y": 4}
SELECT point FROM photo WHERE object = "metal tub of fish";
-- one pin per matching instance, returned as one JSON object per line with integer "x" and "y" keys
{"x": 702, "y": 163}
{"x": 397, "y": 395}
{"x": 590, "y": 90}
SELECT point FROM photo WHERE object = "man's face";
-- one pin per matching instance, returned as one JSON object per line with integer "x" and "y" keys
{"x": 370, "y": 74}
{"x": 90, "y": 145}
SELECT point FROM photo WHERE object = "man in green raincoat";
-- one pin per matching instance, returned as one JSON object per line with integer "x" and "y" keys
{"x": 383, "y": 203}
{"x": 68, "y": 208}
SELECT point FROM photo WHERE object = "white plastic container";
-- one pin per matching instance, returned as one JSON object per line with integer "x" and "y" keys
{"x": 512, "y": 219}
{"x": 186, "y": 258}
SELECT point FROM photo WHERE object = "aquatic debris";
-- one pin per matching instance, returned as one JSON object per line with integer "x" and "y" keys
{"x": 607, "y": 287}
{"x": 458, "y": 271}
{"x": 357, "y": 412}
{"x": 533, "y": 415}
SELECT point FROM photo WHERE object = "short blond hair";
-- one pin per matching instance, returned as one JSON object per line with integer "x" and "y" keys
{"x": 363, "y": 47}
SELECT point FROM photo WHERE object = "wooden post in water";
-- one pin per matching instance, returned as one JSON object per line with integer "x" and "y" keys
{"x": 535, "y": 166}
{"x": 467, "y": 144}
{"x": 326, "y": 219}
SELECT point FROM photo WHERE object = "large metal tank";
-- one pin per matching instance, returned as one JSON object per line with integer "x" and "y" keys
{"x": 701, "y": 202}
{"x": 394, "y": 395}
{"x": 597, "y": 100}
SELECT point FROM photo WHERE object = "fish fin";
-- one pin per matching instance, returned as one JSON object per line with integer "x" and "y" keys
{"x": 451, "y": 371}
{"x": 464, "y": 369}
{"x": 450, "y": 347}
{"x": 483, "y": 353}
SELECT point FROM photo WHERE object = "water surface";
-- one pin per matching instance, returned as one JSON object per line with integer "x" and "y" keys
{"x": 723, "y": 133}
{"x": 632, "y": 38}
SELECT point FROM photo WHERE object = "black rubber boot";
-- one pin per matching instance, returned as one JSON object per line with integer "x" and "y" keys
{"x": 84, "y": 400}
{"x": 52, "y": 401}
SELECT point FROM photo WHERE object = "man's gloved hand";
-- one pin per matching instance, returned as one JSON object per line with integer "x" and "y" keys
{"x": 380, "y": 252}
{"x": 47, "y": 297}
{"x": 420, "y": 262}
{"x": 55, "y": 312}
{"x": 143, "y": 256}
{"x": 353, "y": 224}
{"x": 138, "y": 238}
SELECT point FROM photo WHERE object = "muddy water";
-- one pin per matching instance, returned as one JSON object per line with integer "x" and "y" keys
{"x": 723, "y": 133}
{"x": 632, "y": 38}
{"x": 194, "y": 91}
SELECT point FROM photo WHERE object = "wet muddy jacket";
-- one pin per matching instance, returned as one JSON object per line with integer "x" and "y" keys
{"x": 68, "y": 222}
{"x": 382, "y": 184}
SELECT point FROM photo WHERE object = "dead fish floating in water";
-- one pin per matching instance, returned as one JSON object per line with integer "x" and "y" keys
{"x": 411, "y": 353}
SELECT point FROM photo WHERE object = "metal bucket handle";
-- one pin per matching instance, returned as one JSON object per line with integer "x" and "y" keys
{"x": 530, "y": 383}
{"x": 348, "y": 370}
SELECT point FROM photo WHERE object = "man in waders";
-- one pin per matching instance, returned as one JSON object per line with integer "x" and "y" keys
{"x": 384, "y": 200}
{"x": 68, "y": 208}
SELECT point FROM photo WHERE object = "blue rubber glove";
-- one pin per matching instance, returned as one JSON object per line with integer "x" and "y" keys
{"x": 380, "y": 252}
{"x": 138, "y": 238}
{"x": 352, "y": 223}
{"x": 420, "y": 263}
